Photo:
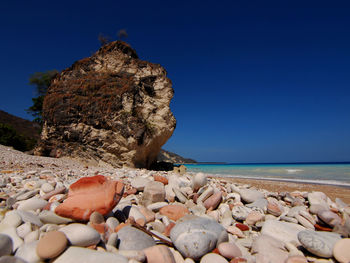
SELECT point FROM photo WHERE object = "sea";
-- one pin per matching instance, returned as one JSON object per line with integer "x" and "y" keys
{"x": 319, "y": 173}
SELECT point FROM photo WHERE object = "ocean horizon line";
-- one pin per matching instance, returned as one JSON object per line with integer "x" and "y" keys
{"x": 267, "y": 163}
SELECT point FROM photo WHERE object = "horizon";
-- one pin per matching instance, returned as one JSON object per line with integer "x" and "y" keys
{"x": 254, "y": 82}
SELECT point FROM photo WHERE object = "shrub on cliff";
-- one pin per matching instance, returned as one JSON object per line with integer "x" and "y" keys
{"x": 10, "y": 137}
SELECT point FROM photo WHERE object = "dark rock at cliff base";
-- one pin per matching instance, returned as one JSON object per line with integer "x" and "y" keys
{"x": 111, "y": 107}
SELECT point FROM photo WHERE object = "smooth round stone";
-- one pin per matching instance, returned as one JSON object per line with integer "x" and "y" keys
{"x": 32, "y": 204}
{"x": 11, "y": 259}
{"x": 131, "y": 238}
{"x": 329, "y": 217}
{"x": 250, "y": 195}
{"x": 229, "y": 250}
{"x": 213, "y": 257}
{"x": 112, "y": 222}
{"x": 12, "y": 218}
{"x": 195, "y": 236}
{"x": 138, "y": 255}
{"x": 51, "y": 245}
{"x": 198, "y": 181}
{"x": 12, "y": 233}
{"x": 49, "y": 217}
{"x": 81, "y": 235}
{"x": 296, "y": 259}
{"x": 46, "y": 188}
{"x": 341, "y": 250}
{"x": 5, "y": 245}
{"x": 213, "y": 201}
{"x": 159, "y": 254}
{"x": 96, "y": 218}
{"x": 27, "y": 252}
{"x": 79, "y": 254}
{"x": 319, "y": 243}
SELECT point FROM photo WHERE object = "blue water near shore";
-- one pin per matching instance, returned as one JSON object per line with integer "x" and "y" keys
{"x": 320, "y": 173}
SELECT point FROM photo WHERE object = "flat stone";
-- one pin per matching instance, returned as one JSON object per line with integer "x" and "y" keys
{"x": 27, "y": 252}
{"x": 6, "y": 245}
{"x": 229, "y": 250}
{"x": 304, "y": 222}
{"x": 283, "y": 231}
{"x": 81, "y": 235}
{"x": 89, "y": 194}
{"x": 137, "y": 255}
{"x": 49, "y": 217}
{"x": 27, "y": 195}
{"x": 195, "y": 236}
{"x": 32, "y": 236}
{"x": 174, "y": 211}
{"x": 260, "y": 203}
{"x": 319, "y": 243}
{"x": 330, "y": 218}
{"x": 78, "y": 254}
{"x": 268, "y": 249}
{"x": 139, "y": 183}
{"x": 240, "y": 213}
{"x": 341, "y": 250}
{"x": 33, "y": 203}
{"x": 254, "y": 217}
{"x": 213, "y": 257}
{"x": 296, "y": 259}
{"x": 28, "y": 216}
{"x": 51, "y": 245}
{"x": 153, "y": 192}
{"x": 159, "y": 254}
{"x": 131, "y": 238}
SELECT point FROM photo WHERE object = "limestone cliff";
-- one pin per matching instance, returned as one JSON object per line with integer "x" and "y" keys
{"x": 110, "y": 107}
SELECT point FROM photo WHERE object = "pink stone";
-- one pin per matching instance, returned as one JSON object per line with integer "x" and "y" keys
{"x": 273, "y": 208}
{"x": 229, "y": 250}
{"x": 341, "y": 250}
{"x": 174, "y": 212}
{"x": 159, "y": 254}
{"x": 254, "y": 217}
{"x": 213, "y": 201}
{"x": 89, "y": 194}
{"x": 296, "y": 259}
{"x": 161, "y": 179}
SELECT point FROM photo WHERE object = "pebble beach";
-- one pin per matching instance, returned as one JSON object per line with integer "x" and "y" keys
{"x": 62, "y": 210}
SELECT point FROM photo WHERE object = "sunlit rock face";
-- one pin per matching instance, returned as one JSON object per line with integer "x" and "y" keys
{"x": 109, "y": 108}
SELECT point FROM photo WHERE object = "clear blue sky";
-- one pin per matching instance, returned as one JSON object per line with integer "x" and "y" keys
{"x": 254, "y": 81}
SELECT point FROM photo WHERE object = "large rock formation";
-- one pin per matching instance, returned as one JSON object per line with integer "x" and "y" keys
{"x": 110, "y": 107}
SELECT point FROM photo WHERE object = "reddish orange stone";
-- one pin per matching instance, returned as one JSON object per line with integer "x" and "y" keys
{"x": 242, "y": 227}
{"x": 174, "y": 212}
{"x": 120, "y": 226}
{"x": 238, "y": 260}
{"x": 216, "y": 251}
{"x": 168, "y": 229}
{"x": 90, "y": 194}
{"x": 161, "y": 179}
{"x": 322, "y": 228}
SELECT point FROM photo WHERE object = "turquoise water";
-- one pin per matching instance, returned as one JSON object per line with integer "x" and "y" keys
{"x": 335, "y": 174}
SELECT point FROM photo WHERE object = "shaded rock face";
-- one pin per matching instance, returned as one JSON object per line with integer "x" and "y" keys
{"x": 110, "y": 107}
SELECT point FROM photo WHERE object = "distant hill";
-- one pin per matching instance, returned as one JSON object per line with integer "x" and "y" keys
{"x": 166, "y": 156}
{"x": 17, "y": 132}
